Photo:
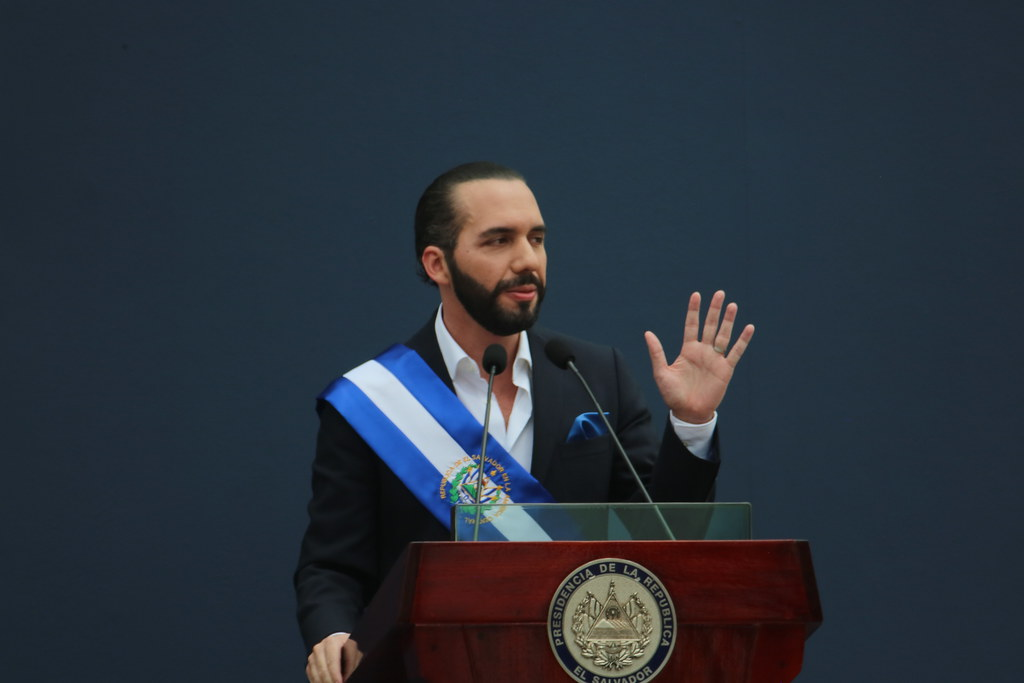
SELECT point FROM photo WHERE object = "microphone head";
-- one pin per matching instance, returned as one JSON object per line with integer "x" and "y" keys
{"x": 559, "y": 353}
{"x": 495, "y": 359}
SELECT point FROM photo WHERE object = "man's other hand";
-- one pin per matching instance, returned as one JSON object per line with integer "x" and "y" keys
{"x": 333, "y": 659}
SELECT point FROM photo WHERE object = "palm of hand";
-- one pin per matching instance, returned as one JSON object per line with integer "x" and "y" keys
{"x": 694, "y": 384}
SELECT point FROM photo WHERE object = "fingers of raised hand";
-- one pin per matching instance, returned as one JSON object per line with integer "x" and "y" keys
{"x": 691, "y": 328}
{"x": 718, "y": 327}
{"x": 721, "y": 342}
{"x": 655, "y": 350}
{"x": 740, "y": 346}
{"x": 711, "y": 320}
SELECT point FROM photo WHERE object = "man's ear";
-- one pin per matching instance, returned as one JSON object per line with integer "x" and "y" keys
{"x": 435, "y": 265}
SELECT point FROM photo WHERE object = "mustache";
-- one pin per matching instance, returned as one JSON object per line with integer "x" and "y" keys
{"x": 519, "y": 281}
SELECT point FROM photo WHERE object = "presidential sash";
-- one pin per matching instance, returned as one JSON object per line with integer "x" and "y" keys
{"x": 424, "y": 434}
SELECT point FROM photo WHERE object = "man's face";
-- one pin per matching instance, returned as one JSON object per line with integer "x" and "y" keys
{"x": 499, "y": 266}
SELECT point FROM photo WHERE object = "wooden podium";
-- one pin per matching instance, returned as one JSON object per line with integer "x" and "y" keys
{"x": 467, "y": 612}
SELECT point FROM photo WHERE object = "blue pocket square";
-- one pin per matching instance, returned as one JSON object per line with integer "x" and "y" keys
{"x": 586, "y": 426}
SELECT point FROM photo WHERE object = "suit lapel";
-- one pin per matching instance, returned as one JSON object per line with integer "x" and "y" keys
{"x": 549, "y": 406}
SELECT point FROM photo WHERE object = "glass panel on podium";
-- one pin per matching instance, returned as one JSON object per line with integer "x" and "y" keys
{"x": 602, "y": 522}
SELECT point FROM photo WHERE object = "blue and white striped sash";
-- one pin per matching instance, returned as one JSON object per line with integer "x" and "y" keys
{"x": 421, "y": 430}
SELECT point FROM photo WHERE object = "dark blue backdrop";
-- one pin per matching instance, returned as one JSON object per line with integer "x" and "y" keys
{"x": 206, "y": 216}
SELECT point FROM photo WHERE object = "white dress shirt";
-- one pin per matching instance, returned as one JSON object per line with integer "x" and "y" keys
{"x": 471, "y": 388}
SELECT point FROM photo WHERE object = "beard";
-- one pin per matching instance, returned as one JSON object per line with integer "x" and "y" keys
{"x": 483, "y": 306}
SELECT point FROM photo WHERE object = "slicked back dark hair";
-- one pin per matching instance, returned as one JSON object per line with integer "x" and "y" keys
{"x": 437, "y": 220}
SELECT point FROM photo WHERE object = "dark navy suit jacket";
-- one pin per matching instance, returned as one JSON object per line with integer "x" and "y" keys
{"x": 362, "y": 516}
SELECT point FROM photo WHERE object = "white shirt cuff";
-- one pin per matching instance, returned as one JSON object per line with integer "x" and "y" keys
{"x": 696, "y": 438}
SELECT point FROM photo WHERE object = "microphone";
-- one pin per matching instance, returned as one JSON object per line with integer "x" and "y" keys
{"x": 559, "y": 353}
{"x": 495, "y": 359}
{"x": 494, "y": 362}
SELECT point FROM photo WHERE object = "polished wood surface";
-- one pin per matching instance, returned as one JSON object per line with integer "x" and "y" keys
{"x": 464, "y": 612}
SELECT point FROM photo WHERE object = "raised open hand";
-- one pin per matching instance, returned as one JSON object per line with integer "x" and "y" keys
{"x": 694, "y": 384}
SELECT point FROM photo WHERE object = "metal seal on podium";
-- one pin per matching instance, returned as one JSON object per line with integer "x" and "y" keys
{"x": 612, "y": 621}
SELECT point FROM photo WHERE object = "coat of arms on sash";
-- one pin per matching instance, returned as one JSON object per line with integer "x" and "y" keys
{"x": 459, "y": 482}
{"x": 611, "y": 621}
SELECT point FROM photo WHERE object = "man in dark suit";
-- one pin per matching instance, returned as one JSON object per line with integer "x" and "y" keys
{"x": 480, "y": 240}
